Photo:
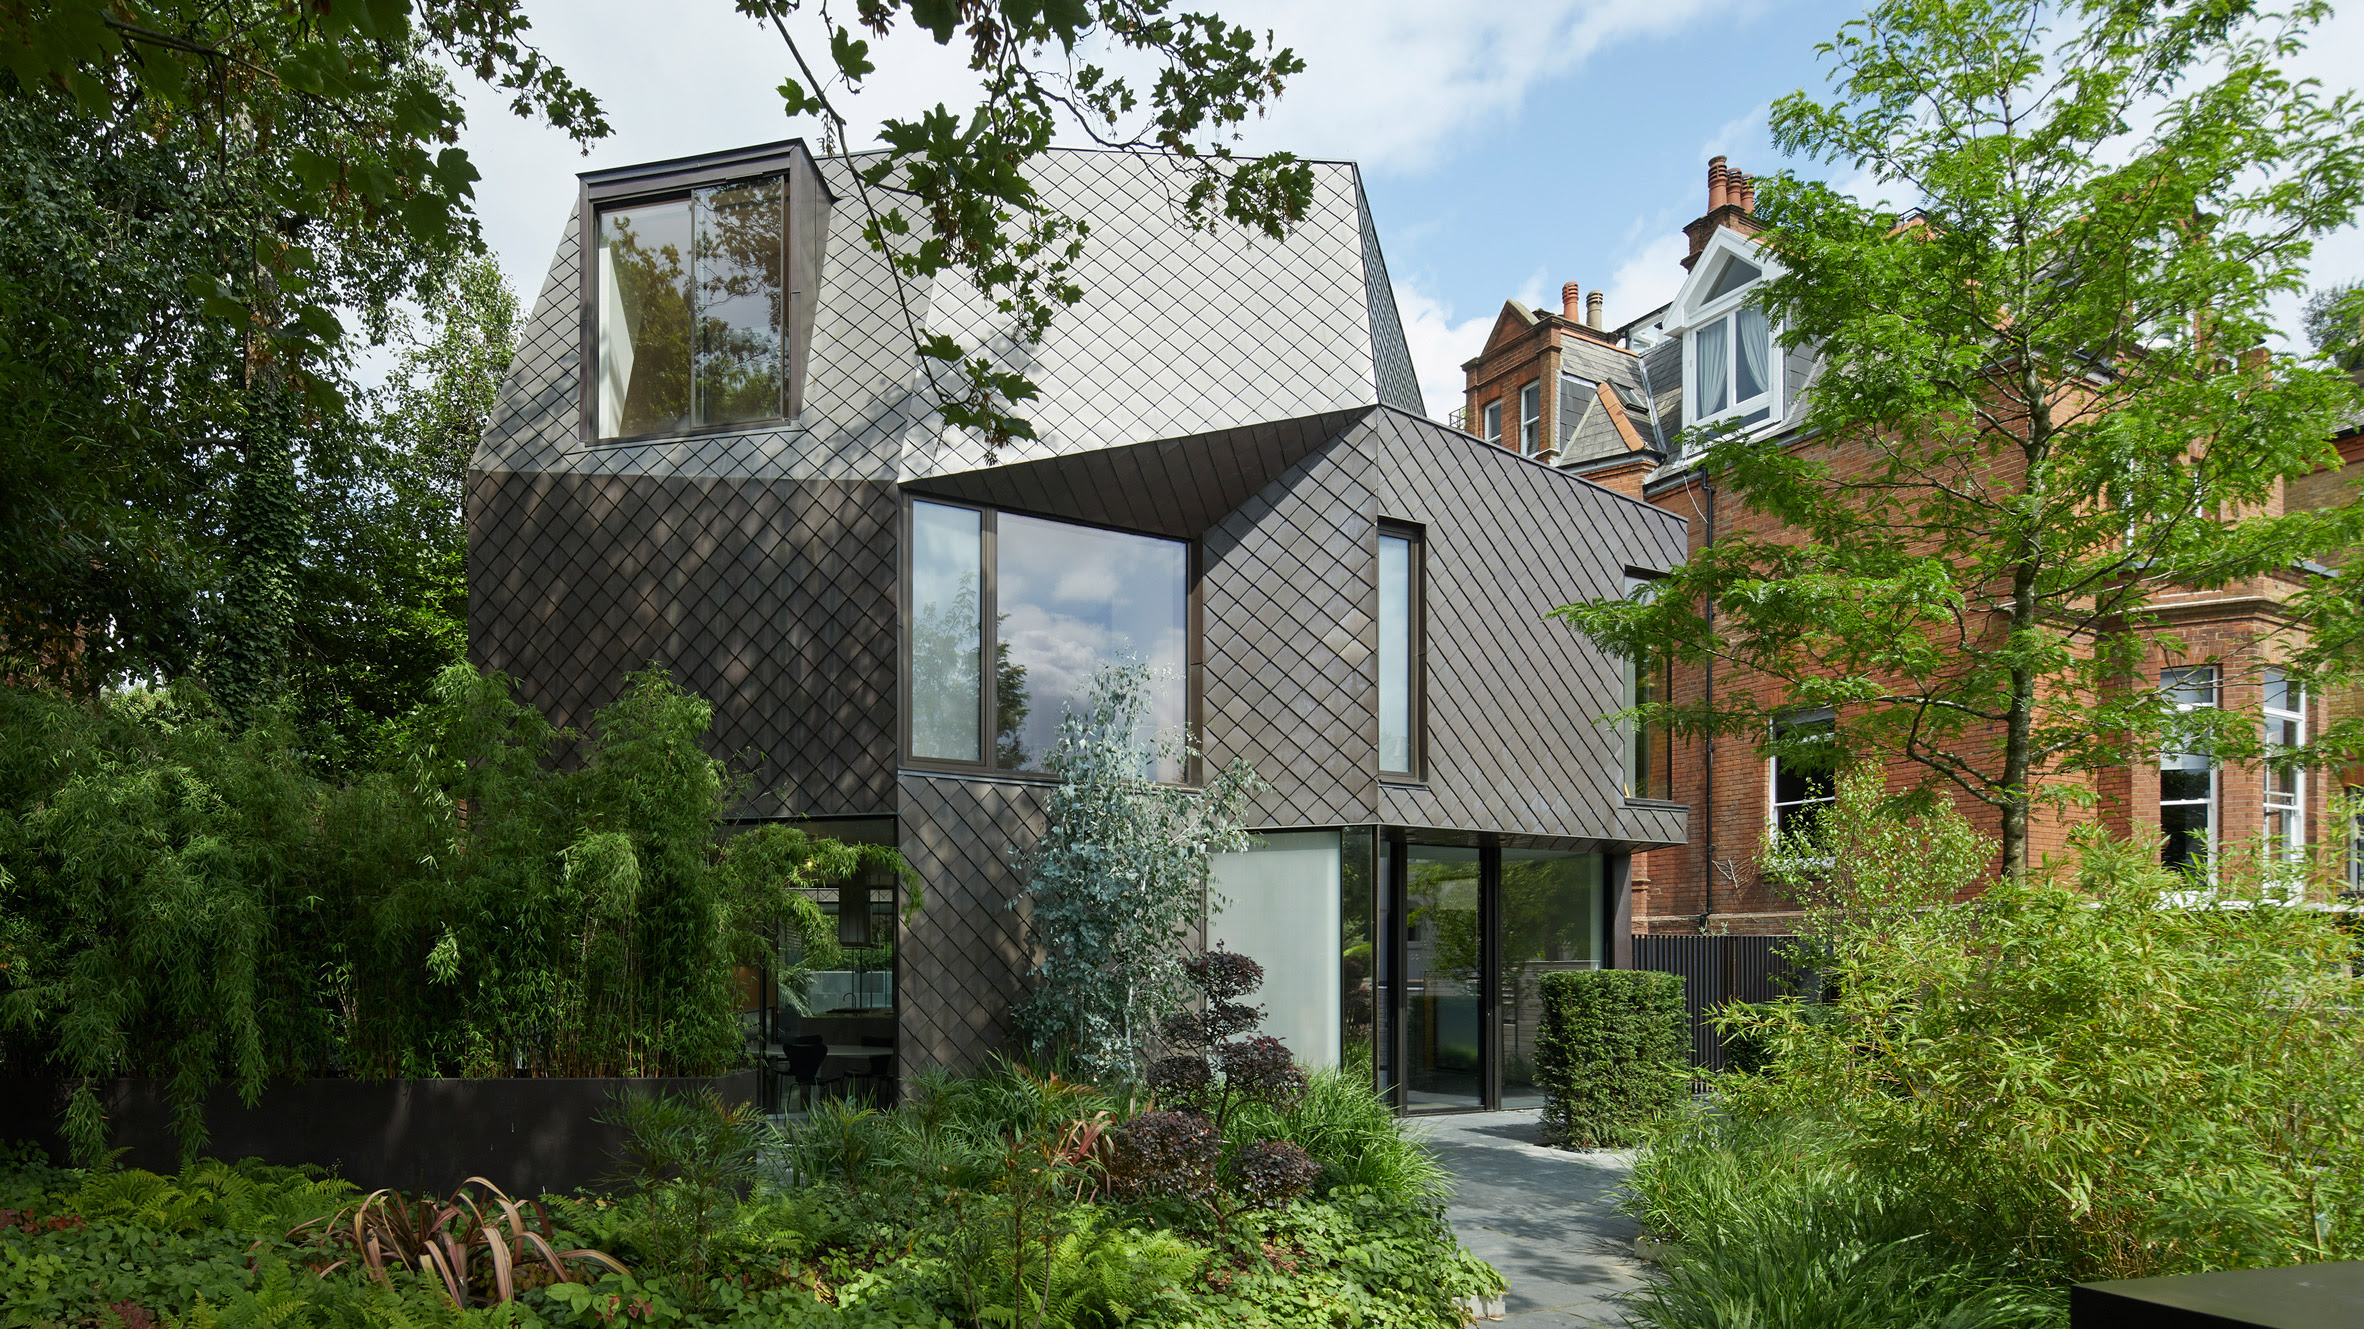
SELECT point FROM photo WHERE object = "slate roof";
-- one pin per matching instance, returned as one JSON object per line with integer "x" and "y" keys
{"x": 1180, "y": 332}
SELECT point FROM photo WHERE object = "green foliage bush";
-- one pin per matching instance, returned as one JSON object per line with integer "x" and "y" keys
{"x": 188, "y": 900}
{"x": 2108, "y": 1072}
{"x": 853, "y": 1221}
{"x": 1609, "y": 1054}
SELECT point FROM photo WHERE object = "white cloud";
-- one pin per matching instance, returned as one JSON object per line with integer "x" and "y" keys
{"x": 1439, "y": 344}
{"x": 1746, "y": 136}
{"x": 1393, "y": 83}
{"x": 1647, "y": 278}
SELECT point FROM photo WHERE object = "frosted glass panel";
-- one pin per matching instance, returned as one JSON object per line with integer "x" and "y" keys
{"x": 1283, "y": 912}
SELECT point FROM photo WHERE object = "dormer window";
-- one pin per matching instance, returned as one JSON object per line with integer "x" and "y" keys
{"x": 698, "y": 280}
{"x": 1730, "y": 372}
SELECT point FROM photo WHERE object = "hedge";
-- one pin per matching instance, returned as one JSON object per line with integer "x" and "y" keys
{"x": 1610, "y": 1054}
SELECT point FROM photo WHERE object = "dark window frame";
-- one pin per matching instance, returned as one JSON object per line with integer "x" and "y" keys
{"x": 988, "y": 606}
{"x": 1654, "y": 743}
{"x": 679, "y": 178}
{"x": 1416, "y": 681}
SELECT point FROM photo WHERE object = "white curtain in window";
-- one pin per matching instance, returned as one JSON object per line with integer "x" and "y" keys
{"x": 1756, "y": 353}
{"x": 1712, "y": 358}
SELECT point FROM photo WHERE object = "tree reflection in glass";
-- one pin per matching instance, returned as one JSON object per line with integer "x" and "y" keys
{"x": 1550, "y": 920}
{"x": 693, "y": 310}
{"x": 644, "y": 319}
{"x": 1442, "y": 971}
{"x": 1071, "y": 599}
{"x": 741, "y": 300}
{"x": 947, "y": 630}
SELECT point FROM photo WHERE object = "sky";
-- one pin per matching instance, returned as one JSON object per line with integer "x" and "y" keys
{"x": 1506, "y": 148}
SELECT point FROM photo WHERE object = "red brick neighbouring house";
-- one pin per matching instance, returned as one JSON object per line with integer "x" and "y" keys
{"x": 1609, "y": 402}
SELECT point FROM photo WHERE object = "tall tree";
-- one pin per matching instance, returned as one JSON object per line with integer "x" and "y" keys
{"x": 2050, "y": 380}
{"x": 381, "y": 585}
{"x": 247, "y": 169}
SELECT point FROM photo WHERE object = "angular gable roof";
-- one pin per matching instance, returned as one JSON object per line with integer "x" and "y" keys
{"x": 1181, "y": 332}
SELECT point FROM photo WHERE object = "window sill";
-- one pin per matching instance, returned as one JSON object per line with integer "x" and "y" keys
{"x": 1656, "y": 804}
{"x": 1410, "y": 782}
{"x": 780, "y": 425}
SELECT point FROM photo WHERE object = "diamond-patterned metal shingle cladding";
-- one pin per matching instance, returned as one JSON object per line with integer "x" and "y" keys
{"x": 1215, "y": 386}
{"x": 963, "y": 959}
{"x": 1290, "y": 632}
{"x": 773, "y": 599}
{"x": 1181, "y": 332}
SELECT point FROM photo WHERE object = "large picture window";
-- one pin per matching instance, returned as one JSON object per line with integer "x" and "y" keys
{"x": 1399, "y": 652}
{"x": 691, "y": 301}
{"x": 2187, "y": 779}
{"x": 1048, "y": 603}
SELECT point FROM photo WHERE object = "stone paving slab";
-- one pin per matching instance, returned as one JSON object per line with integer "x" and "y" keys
{"x": 1547, "y": 1218}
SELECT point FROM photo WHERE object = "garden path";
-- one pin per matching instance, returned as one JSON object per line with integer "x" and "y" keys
{"x": 1547, "y": 1218}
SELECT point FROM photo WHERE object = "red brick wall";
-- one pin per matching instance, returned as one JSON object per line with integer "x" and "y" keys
{"x": 1689, "y": 889}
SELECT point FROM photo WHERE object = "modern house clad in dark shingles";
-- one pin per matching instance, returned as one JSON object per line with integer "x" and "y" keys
{"x": 1250, "y": 397}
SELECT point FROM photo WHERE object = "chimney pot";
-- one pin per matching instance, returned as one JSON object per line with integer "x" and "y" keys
{"x": 1570, "y": 302}
{"x": 1715, "y": 183}
{"x": 1592, "y": 310}
{"x": 1747, "y": 194}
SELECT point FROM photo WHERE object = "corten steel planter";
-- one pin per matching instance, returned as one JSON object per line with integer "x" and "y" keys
{"x": 525, "y": 1135}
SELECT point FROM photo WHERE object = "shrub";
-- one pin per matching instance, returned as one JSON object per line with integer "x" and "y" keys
{"x": 2107, "y": 1072}
{"x": 184, "y": 900}
{"x": 1270, "y": 1173}
{"x": 1344, "y": 1125}
{"x": 1118, "y": 881}
{"x": 1164, "y": 1154}
{"x": 1609, "y": 1054}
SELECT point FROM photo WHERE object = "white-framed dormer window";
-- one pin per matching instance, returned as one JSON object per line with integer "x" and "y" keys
{"x": 1492, "y": 417}
{"x": 1531, "y": 418}
{"x": 1731, "y": 363}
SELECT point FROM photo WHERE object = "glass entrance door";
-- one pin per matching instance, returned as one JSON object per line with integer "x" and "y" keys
{"x": 1443, "y": 979}
{"x": 1474, "y": 931}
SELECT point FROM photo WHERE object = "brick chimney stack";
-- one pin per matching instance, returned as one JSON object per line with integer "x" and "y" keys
{"x": 1592, "y": 310}
{"x": 1731, "y": 201}
{"x": 1571, "y": 302}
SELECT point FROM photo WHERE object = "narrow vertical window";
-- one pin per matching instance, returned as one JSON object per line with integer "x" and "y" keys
{"x": 1531, "y": 418}
{"x": 1644, "y": 772}
{"x": 1399, "y": 651}
{"x": 2355, "y": 805}
{"x": 2187, "y": 779}
{"x": 947, "y": 631}
{"x": 1801, "y": 769}
{"x": 1493, "y": 421}
{"x": 2285, "y": 783}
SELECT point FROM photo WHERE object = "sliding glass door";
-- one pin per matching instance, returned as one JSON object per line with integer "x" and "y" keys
{"x": 1444, "y": 1056}
{"x": 1471, "y": 934}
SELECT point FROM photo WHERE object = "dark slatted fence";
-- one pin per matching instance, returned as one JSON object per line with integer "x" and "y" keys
{"x": 1715, "y": 970}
